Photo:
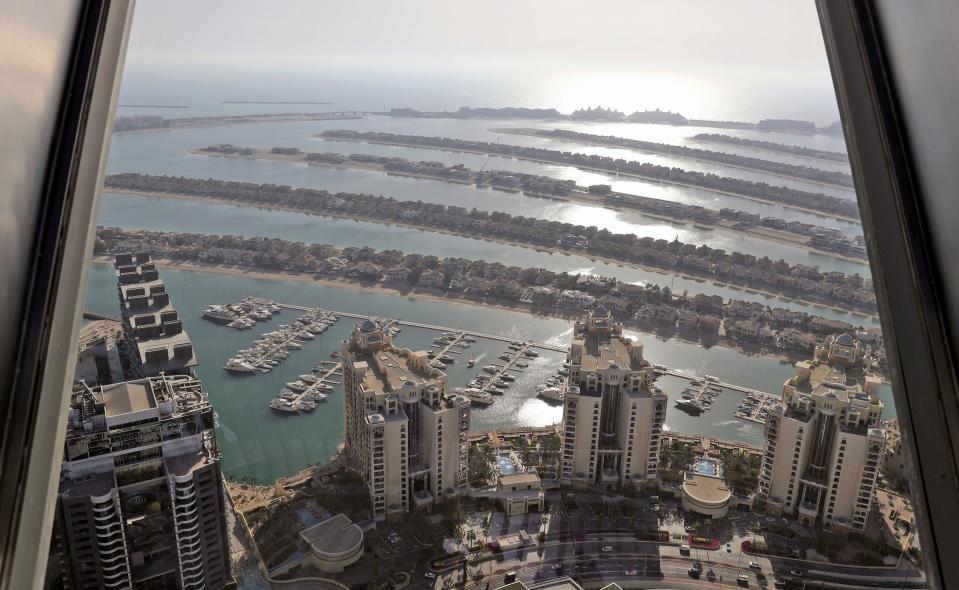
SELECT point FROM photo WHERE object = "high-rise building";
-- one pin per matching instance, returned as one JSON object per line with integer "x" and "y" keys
{"x": 141, "y": 500}
{"x": 824, "y": 447}
{"x": 155, "y": 341}
{"x": 612, "y": 413}
{"x": 404, "y": 432}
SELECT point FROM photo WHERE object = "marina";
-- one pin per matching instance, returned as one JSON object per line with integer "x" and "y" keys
{"x": 272, "y": 348}
{"x": 242, "y": 315}
{"x": 699, "y": 396}
{"x": 310, "y": 389}
{"x": 258, "y": 446}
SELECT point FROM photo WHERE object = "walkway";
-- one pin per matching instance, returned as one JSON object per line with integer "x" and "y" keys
{"x": 428, "y": 327}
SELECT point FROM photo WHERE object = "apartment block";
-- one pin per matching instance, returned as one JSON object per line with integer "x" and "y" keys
{"x": 404, "y": 432}
{"x": 612, "y": 413}
{"x": 140, "y": 501}
{"x": 155, "y": 340}
{"x": 824, "y": 447}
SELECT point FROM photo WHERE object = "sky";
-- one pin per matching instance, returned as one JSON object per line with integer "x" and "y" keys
{"x": 547, "y": 44}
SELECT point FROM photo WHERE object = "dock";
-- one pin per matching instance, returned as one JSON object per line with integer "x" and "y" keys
{"x": 541, "y": 346}
{"x": 758, "y": 402}
{"x": 508, "y": 366}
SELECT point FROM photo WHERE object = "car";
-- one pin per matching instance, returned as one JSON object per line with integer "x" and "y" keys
{"x": 629, "y": 573}
{"x": 430, "y": 575}
{"x": 698, "y": 566}
{"x": 754, "y": 565}
{"x": 509, "y": 577}
{"x": 693, "y": 573}
{"x": 742, "y": 580}
{"x": 729, "y": 547}
{"x": 690, "y": 528}
{"x": 579, "y": 551}
{"x": 607, "y": 548}
{"x": 711, "y": 575}
{"x": 655, "y": 507}
{"x": 654, "y": 499}
{"x": 795, "y": 573}
{"x": 557, "y": 566}
{"x": 684, "y": 549}
{"x": 779, "y": 583}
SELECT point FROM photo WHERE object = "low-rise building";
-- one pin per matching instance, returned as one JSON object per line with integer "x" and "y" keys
{"x": 333, "y": 544}
{"x": 520, "y": 493}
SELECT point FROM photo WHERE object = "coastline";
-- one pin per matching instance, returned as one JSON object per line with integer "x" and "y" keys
{"x": 577, "y": 196}
{"x": 602, "y": 171}
{"x": 186, "y": 123}
{"x": 530, "y": 132}
{"x": 537, "y": 248}
{"x": 432, "y": 295}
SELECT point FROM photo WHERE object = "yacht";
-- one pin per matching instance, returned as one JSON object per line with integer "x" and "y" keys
{"x": 470, "y": 363}
{"x": 287, "y": 394}
{"x": 690, "y": 407}
{"x": 305, "y": 405}
{"x": 293, "y": 345}
{"x": 491, "y": 369}
{"x": 476, "y": 396}
{"x": 507, "y": 377}
{"x": 316, "y": 396}
{"x": 282, "y": 406}
{"x": 308, "y": 378}
{"x": 297, "y": 386}
{"x": 447, "y": 359}
{"x": 505, "y": 357}
{"x": 711, "y": 379}
{"x": 238, "y": 366}
{"x": 218, "y": 314}
{"x": 552, "y": 393}
{"x": 530, "y": 353}
{"x": 305, "y": 335}
{"x": 521, "y": 364}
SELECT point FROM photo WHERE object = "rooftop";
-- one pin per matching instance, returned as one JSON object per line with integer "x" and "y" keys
{"x": 335, "y": 535}
{"x": 113, "y": 405}
{"x": 604, "y": 352}
{"x": 391, "y": 369}
{"x": 124, "y": 398}
{"x": 553, "y": 584}
{"x": 706, "y": 489}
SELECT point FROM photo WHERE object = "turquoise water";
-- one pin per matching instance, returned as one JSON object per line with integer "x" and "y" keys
{"x": 257, "y": 443}
{"x": 706, "y": 467}
{"x": 506, "y": 465}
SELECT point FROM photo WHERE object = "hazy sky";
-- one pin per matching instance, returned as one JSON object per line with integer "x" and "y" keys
{"x": 177, "y": 33}
{"x": 717, "y": 58}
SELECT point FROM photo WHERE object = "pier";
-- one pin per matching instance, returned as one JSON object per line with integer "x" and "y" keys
{"x": 448, "y": 348}
{"x": 428, "y": 327}
{"x": 759, "y": 401}
{"x": 312, "y": 392}
{"x": 508, "y": 366}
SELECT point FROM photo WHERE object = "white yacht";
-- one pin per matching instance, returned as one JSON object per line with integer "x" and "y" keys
{"x": 238, "y": 366}
{"x": 552, "y": 393}
{"x": 218, "y": 314}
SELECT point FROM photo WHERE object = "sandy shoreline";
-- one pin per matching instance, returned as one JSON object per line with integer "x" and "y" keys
{"x": 577, "y": 196}
{"x": 536, "y": 248}
{"x": 432, "y": 295}
{"x": 601, "y": 171}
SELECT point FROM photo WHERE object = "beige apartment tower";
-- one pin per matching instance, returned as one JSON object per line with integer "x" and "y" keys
{"x": 824, "y": 448}
{"x": 612, "y": 413}
{"x": 404, "y": 432}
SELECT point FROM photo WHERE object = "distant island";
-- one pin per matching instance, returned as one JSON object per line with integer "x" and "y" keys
{"x": 601, "y": 114}
{"x": 272, "y": 102}
{"x": 775, "y": 147}
{"x": 815, "y": 202}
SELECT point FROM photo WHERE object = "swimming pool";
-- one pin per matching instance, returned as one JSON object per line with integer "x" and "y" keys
{"x": 706, "y": 467}
{"x": 506, "y": 465}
